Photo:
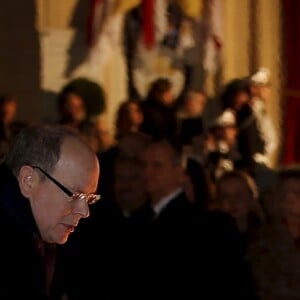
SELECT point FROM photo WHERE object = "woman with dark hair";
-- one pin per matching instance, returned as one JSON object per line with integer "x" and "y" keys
{"x": 72, "y": 109}
{"x": 90, "y": 92}
{"x": 236, "y": 94}
{"x": 129, "y": 118}
{"x": 159, "y": 110}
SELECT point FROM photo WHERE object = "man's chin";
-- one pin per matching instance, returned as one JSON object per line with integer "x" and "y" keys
{"x": 62, "y": 239}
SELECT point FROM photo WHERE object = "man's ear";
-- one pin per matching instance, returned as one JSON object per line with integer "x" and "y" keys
{"x": 27, "y": 180}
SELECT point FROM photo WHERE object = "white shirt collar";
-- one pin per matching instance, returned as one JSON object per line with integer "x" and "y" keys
{"x": 158, "y": 207}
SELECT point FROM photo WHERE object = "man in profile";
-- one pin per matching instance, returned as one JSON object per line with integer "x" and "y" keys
{"x": 48, "y": 180}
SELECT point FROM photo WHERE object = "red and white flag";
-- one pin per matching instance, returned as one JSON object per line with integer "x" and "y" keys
{"x": 215, "y": 38}
{"x": 95, "y": 20}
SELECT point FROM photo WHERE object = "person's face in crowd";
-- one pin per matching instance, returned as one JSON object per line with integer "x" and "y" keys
{"x": 261, "y": 91}
{"x": 242, "y": 98}
{"x": 168, "y": 97}
{"x": 75, "y": 107}
{"x": 129, "y": 188}
{"x": 195, "y": 104}
{"x": 235, "y": 197}
{"x": 229, "y": 134}
{"x": 135, "y": 115}
{"x": 9, "y": 110}
{"x": 161, "y": 173}
{"x": 265, "y": 92}
{"x": 56, "y": 214}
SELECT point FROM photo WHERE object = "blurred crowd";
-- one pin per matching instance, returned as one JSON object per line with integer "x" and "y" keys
{"x": 192, "y": 202}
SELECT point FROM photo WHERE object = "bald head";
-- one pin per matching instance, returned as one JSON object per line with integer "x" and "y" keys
{"x": 78, "y": 158}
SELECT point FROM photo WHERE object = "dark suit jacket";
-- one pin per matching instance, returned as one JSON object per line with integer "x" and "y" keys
{"x": 192, "y": 254}
{"x": 23, "y": 271}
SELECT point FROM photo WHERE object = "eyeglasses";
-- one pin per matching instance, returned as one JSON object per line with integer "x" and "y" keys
{"x": 88, "y": 198}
